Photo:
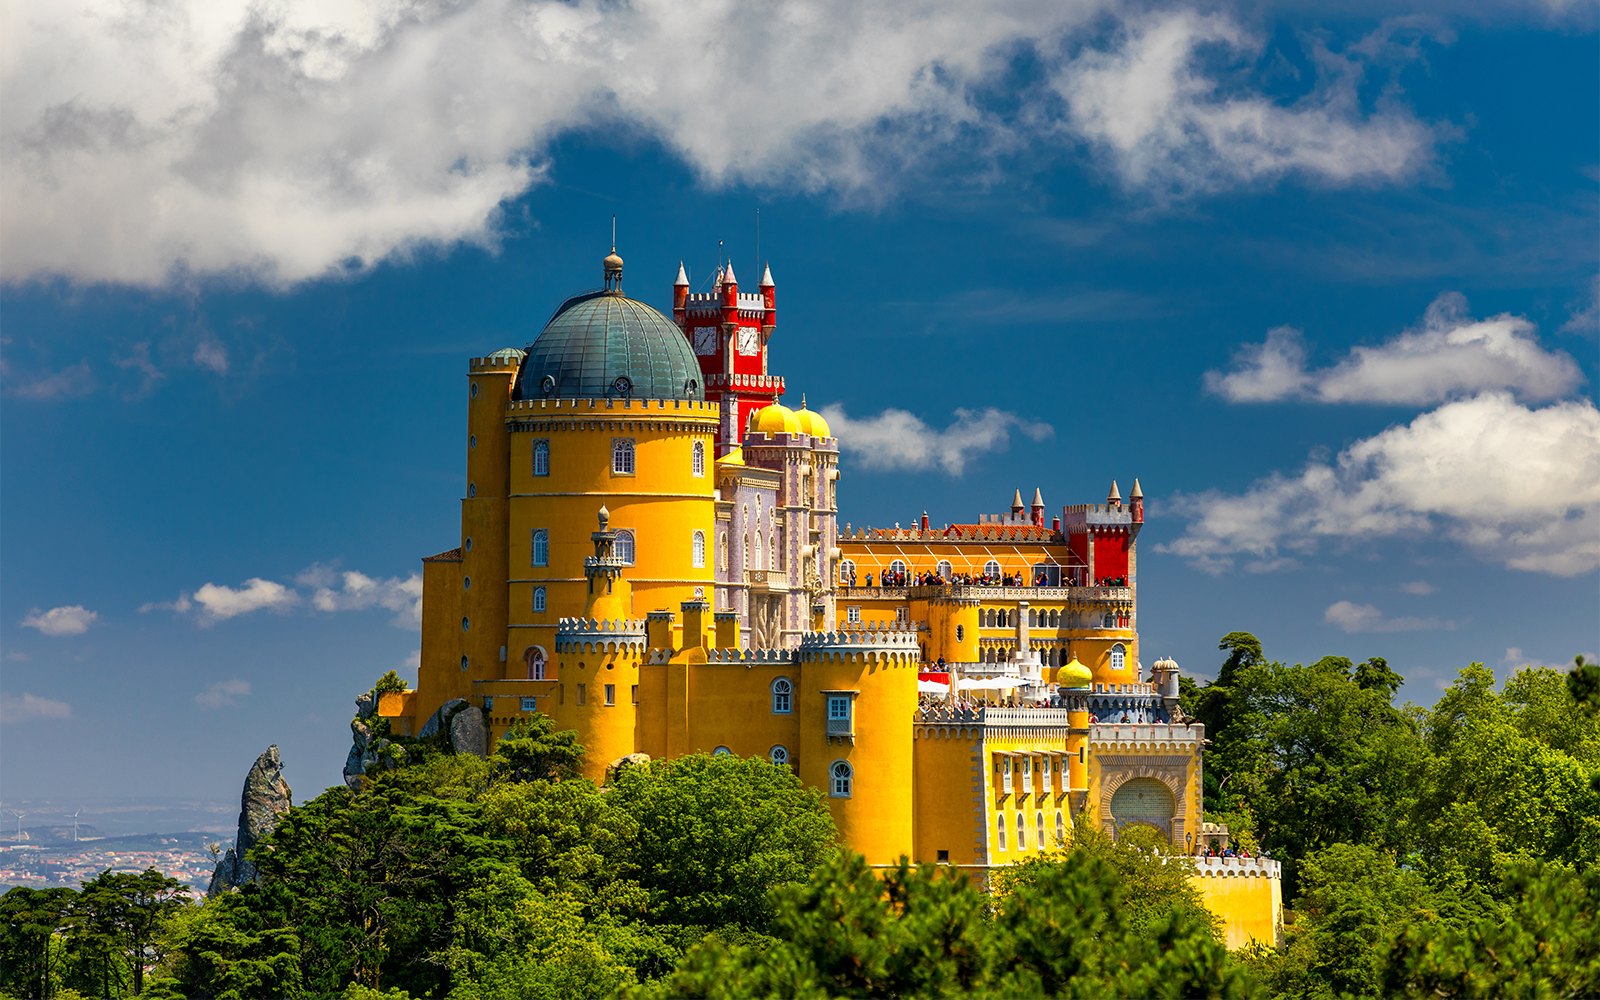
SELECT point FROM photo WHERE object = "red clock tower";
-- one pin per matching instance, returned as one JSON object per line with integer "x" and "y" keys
{"x": 729, "y": 331}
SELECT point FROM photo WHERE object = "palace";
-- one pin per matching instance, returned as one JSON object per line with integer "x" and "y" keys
{"x": 651, "y": 555}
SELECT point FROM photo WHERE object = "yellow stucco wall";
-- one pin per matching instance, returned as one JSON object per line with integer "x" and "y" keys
{"x": 1247, "y": 896}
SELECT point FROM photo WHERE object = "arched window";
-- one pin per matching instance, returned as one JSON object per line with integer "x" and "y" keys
{"x": 541, "y": 458}
{"x": 538, "y": 598}
{"x": 699, "y": 458}
{"x": 541, "y": 547}
{"x": 1055, "y": 618}
{"x": 1040, "y": 841}
{"x": 1033, "y": 617}
{"x": 699, "y": 547}
{"x": 779, "y": 755}
{"x": 622, "y": 456}
{"x": 624, "y": 548}
{"x": 1119, "y": 656}
{"x": 1000, "y": 826}
{"x": 847, "y": 569}
{"x": 1061, "y": 829}
{"x": 782, "y": 696}
{"x": 1022, "y": 833}
{"x": 761, "y": 546}
{"x": 842, "y": 774}
{"x": 1108, "y": 621}
{"x": 943, "y": 569}
{"x": 991, "y": 569}
{"x": 722, "y": 752}
{"x": 533, "y": 658}
{"x": 722, "y": 552}
{"x": 897, "y": 567}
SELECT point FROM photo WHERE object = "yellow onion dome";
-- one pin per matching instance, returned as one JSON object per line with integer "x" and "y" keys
{"x": 733, "y": 457}
{"x": 812, "y": 422}
{"x": 1074, "y": 675}
{"x": 775, "y": 419}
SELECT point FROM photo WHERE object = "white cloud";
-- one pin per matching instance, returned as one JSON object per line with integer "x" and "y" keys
{"x": 29, "y": 707}
{"x": 1168, "y": 125}
{"x": 357, "y": 591}
{"x": 1449, "y": 355}
{"x": 68, "y": 383}
{"x": 1419, "y": 587}
{"x": 213, "y": 603}
{"x": 1366, "y": 618}
{"x": 74, "y": 619}
{"x": 1514, "y": 485}
{"x": 287, "y": 139}
{"x": 222, "y": 693}
{"x": 330, "y": 590}
{"x": 896, "y": 439}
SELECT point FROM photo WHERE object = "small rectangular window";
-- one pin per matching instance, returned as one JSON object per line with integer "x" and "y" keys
{"x": 611, "y": 694}
{"x": 901, "y": 615}
{"x": 488, "y": 703}
{"x": 622, "y": 456}
{"x": 580, "y": 693}
{"x": 852, "y": 615}
{"x": 530, "y": 704}
{"x": 636, "y": 694}
{"x": 944, "y": 856}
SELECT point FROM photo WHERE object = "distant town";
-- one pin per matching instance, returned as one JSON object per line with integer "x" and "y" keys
{"x": 43, "y": 858}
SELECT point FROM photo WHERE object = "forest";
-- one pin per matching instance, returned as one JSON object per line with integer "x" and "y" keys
{"x": 1428, "y": 852}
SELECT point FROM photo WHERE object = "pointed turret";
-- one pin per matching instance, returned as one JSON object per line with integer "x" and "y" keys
{"x": 769, "y": 296}
{"x": 1016, "y": 504}
{"x": 1137, "y": 493}
{"x": 1136, "y": 501}
{"x": 727, "y": 275}
{"x": 680, "y": 295}
{"x": 1038, "y": 508}
{"x": 1114, "y": 498}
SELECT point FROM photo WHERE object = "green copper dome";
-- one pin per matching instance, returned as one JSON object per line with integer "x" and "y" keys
{"x": 603, "y": 344}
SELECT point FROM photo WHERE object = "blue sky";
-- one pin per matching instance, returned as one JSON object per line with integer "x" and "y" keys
{"x": 1322, "y": 279}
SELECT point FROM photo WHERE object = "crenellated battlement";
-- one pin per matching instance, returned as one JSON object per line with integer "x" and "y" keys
{"x": 1237, "y": 867}
{"x": 749, "y": 656}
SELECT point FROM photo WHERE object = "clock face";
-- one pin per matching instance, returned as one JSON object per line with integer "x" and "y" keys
{"x": 705, "y": 340}
{"x": 749, "y": 340}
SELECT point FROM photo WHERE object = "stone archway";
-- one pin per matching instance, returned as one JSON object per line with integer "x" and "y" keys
{"x": 1144, "y": 802}
{"x": 1169, "y": 772}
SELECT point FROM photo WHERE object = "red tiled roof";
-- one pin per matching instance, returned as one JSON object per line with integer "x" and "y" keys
{"x": 454, "y": 555}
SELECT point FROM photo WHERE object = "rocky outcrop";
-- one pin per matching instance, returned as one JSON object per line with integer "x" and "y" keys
{"x": 461, "y": 724}
{"x": 266, "y": 796}
{"x": 615, "y": 768}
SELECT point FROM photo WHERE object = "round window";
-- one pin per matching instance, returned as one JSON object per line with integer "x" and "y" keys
{"x": 547, "y": 385}
{"x": 469, "y": 544}
{"x": 472, "y": 441}
{"x": 623, "y": 385}
{"x": 466, "y": 623}
{"x": 463, "y": 663}
{"x": 722, "y": 752}
{"x": 466, "y": 584}
{"x": 472, "y": 490}
{"x": 473, "y": 390}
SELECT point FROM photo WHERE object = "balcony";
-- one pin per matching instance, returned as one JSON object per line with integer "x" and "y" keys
{"x": 992, "y": 592}
{"x": 767, "y": 581}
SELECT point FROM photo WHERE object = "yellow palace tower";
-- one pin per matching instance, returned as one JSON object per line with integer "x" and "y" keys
{"x": 650, "y": 555}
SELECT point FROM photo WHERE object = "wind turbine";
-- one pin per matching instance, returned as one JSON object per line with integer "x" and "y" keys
{"x": 19, "y": 824}
{"x": 75, "y": 826}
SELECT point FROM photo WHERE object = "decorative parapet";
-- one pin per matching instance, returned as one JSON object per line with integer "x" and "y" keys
{"x": 586, "y": 635}
{"x": 987, "y": 592}
{"x": 1128, "y": 735}
{"x": 1237, "y": 867}
{"x": 898, "y": 644}
{"x": 1096, "y": 514}
{"x": 653, "y": 408}
{"x": 749, "y": 656}
{"x": 992, "y": 716}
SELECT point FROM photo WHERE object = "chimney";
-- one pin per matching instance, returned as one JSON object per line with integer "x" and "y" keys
{"x": 658, "y": 629}
{"x": 1038, "y": 508}
{"x": 727, "y": 629}
{"x": 924, "y": 520}
{"x": 769, "y": 293}
{"x": 696, "y": 619}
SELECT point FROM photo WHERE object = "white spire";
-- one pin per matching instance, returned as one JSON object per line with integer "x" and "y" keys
{"x": 727, "y": 276}
{"x": 683, "y": 277}
{"x": 766, "y": 278}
